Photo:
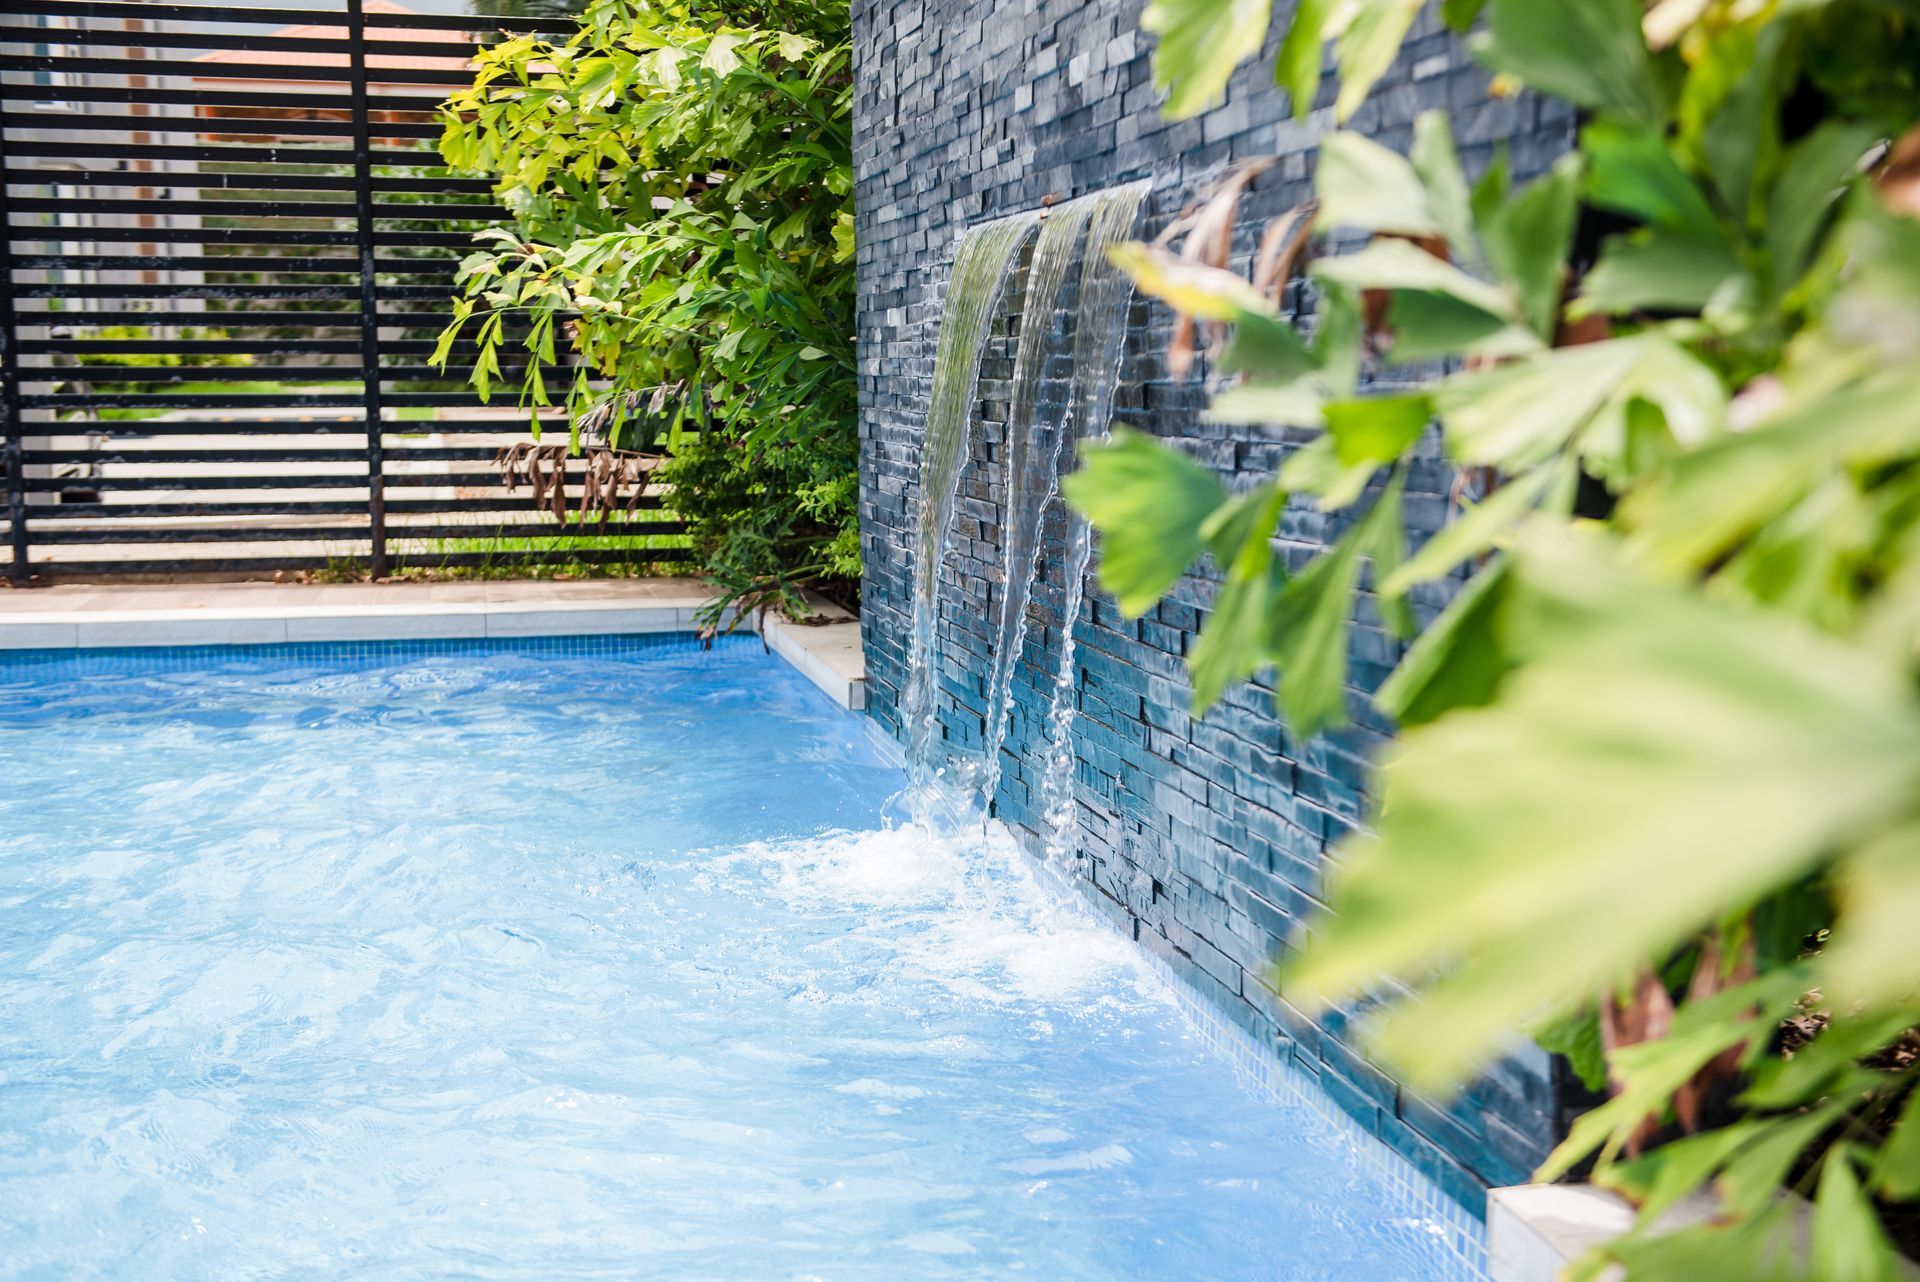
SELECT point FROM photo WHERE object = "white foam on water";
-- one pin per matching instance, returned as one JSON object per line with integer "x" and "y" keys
{"x": 966, "y": 913}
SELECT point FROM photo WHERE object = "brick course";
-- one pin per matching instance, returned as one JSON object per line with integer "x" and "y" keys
{"x": 1206, "y": 837}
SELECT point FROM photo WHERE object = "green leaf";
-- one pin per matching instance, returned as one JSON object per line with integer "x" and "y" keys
{"x": 1298, "y": 68}
{"x": 1362, "y": 184}
{"x": 1368, "y": 47}
{"x": 1662, "y": 1178}
{"x": 1896, "y": 1170}
{"x": 1148, "y": 503}
{"x": 1459, "y": 661}
{"x": 1589, "y": 52}
{"x": 1266, "y": 348}
{"x": 1401, "y": 264}
{"x": 1229, "y": 649}
{"x": 1817, "y": 171}
{"x": 1308, "y": 639}
{"x": 1476, "y": 530}
{"x": 1200, "y": 43}
{"x": 1715, "y": 496}
{"x": 1428, "y": 324}
{"x": 1528, "y": 241}
{"x": 1377, "y": 429}
{"x": 1513, "y": 416}
{"x": 1752, "y": 1178}
{"x": 1296, "y": 403}
{"x": 1630, "y": 171}
{"x": 1849, "y": 1244}
{"x": 1576, "y": 1037}
{"x": 1384, "y": 544}
{"x": 1315, "y": 469}
{"x": 1449, "y": 200}
{"x": 1647, "y": 738}
{"x": 1655, "y": 270}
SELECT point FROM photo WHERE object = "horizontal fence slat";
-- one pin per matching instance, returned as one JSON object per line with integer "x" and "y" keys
{"x": 615, "y": 529}
{"x": 265, "y": 564}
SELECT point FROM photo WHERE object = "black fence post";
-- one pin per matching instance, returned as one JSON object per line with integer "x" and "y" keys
{"x": 369, "y": 286}
{"x": 15, "y": 461}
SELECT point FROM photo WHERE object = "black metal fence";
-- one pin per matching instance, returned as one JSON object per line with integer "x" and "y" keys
{"x": 229, "y": 247}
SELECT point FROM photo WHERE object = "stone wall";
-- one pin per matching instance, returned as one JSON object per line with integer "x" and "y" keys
{"x": 1206, "y": 837}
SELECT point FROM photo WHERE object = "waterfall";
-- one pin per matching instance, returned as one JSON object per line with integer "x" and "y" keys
{"x": 1099, "y": 345}
{"x": 1029, "y": 453}
{"x": 1037, "y": 452}
{"x": 981, "y": 266}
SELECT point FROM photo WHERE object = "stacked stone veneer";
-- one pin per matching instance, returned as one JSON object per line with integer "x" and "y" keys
{"x": 1208, "y": 837}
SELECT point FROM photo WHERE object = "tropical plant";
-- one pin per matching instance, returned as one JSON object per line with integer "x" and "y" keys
{"x": 1657, "y": 798}
{"x": 680, "y": 177}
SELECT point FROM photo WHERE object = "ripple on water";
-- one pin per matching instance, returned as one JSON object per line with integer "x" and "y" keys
{"x": 504, "y": 966}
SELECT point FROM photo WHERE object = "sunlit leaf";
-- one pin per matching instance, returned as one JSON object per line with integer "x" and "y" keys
{"x": 1748, "y": 745}
{"x": 1148, "y": 502}
{"x": 1377, "y": 429}
{"x": 1459, "y": 661}
{"x": 1849, "y": 1244}
{"x": 1368, "y": 46}
{"x": 1528, "y": 239}
{"x": 1361, "y": 184}
{"x": 1298, "y": 68}
{"x": 1589, "y": 52}
{"x": 1193, "y": 288}
{"x": 1200, "y": 42}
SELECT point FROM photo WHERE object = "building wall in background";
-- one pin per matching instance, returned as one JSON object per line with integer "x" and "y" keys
{"x": 1207, "y": 838}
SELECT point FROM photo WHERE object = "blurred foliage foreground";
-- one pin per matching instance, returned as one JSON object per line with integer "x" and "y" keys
{"x": 1657, "y": 800}
{"x": 680, "y": 175}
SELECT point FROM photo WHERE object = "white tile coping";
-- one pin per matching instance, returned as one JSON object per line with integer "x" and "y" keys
{"x": 1535, "y": 1230}
{"x": 829, "y": 655}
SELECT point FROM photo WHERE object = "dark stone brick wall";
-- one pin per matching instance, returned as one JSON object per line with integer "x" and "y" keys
{"x": 1207, "y": 837}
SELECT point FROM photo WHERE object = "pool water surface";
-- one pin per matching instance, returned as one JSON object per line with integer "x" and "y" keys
{"x": 483, "y": 961}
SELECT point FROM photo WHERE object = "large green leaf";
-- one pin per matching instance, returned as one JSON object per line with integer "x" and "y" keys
{"x": 1403, "y": 265}
{"x": 1449, "y": 199}
{"x": 1849, "y": 1243}
{"x": 1516, "y": 415}
{"x": 1589, "y": 52}
{"x": 1459, "y": 661}
{"x": 1308, "y": 637}
{"x": 1648, "y": 738}
{"x": 1148, "y": 502}
{"x": 1631, "y": 171}
{"x": 1231, "y": 645}
{"x": 1656, "y": 270}
{"x": 1361, "y": 184}
{"x": 1528, "y": 239}
{"x": 1298, "y": 68}
{"x": 1368, "y": 47}
{"x": 1816, "y": 172}
{"x": 1200, "y": 44}
{"x": 1377, "y": 429}
{"x": 1477, "y": 528}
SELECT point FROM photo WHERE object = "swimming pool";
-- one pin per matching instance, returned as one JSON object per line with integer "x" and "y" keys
{"x": 585, "y": 959}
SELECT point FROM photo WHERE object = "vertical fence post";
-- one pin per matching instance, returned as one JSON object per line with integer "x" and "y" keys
{"x": 369, "y": 284}
{"x": 14, "y": 461}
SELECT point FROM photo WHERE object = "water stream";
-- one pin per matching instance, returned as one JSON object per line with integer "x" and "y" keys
{"x": 1039, "y": 452}
{"x": 982, "y": 265}
{"x": 1099, "y": 346}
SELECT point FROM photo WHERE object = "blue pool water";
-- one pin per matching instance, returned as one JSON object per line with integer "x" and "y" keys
{"x": 515, "y": 963}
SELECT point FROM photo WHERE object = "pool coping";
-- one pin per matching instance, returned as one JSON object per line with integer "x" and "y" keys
{"x": 818, "y": 652}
